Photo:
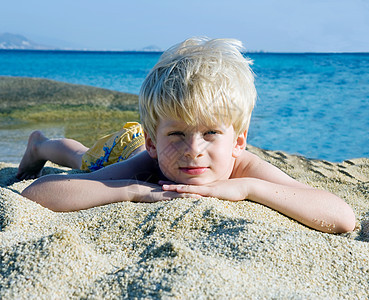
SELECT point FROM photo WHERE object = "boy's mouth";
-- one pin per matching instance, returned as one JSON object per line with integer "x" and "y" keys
{"x": 193, "y": 170}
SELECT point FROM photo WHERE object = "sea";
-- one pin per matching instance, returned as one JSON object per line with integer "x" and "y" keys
{"x": 310, "y": 104}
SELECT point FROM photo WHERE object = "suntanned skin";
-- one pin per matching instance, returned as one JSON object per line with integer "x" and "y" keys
{"x": 209, "y": 162}
{"x": 65, "y": 152}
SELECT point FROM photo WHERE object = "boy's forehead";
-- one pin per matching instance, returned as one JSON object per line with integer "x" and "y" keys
{"x": 178, "y": 123}
{"x": 171, "y": 122}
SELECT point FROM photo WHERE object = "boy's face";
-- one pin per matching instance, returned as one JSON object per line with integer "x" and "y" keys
{"x": 195, "y": 155}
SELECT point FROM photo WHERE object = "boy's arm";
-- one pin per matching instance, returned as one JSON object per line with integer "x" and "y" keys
{"x": 114, "y": 183}
{"x": 261, "y": 182}
{"x": 67, "y": 193}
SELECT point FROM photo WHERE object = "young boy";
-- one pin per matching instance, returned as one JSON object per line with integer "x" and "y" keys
{"x": 195, "y": 107}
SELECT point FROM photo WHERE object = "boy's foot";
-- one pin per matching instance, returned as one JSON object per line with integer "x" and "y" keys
{"x": 31, "y": 164}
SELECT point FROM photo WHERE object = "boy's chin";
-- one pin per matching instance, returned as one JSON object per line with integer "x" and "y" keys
{"x": 191, "y": 180}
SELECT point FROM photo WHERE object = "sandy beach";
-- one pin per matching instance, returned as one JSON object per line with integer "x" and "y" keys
{"x": 204, "y": 248}
{"x": 185, "y": 248}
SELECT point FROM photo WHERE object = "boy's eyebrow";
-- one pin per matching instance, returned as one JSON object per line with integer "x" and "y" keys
{"x": 175, "y": 126}
{"x": 200, "y": 128}
{"x": 180, "y": 125}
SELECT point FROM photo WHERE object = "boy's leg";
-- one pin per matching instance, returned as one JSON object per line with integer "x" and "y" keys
{"x": 65, "y": 152}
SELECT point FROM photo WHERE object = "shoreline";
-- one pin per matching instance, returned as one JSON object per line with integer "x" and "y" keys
{"x": 29, "y": 101}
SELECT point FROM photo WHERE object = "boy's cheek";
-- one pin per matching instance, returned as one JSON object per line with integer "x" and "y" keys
{"x": 168, "y": 172}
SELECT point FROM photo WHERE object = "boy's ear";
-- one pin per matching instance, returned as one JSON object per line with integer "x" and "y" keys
{"x": 150, "y": 146}
{"x": 240, "y": 144}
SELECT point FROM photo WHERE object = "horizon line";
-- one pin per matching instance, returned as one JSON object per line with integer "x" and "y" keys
{"x": 161, "y": 51}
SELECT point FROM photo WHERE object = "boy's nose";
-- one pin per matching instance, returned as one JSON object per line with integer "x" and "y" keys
{"x": 194, "y": 147}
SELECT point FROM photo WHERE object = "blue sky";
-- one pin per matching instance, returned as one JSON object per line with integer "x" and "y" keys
{"x": 268, "y": 25}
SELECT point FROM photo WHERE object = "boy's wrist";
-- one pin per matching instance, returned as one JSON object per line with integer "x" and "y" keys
{"x": 250, "y": 188}
{"x": 133, "y": 192}
{"x": 139, "y": 192}
{"x": 256, "y": 190}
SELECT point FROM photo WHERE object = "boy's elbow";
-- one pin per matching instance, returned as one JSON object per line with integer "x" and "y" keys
{"x": 27, "y": 193}
{"x": 31, "y": 193}
{"x": 347, "y": 221}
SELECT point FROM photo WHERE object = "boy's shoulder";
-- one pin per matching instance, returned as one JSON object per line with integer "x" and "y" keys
{"x": 251, "y": 165}
{"x": 243, "y": 163}
{"x": 146, "y": 168}
{"x": 140, "y": 167}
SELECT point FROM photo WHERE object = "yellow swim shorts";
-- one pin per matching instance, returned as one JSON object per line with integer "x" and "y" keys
{"x": 114, "y": 147}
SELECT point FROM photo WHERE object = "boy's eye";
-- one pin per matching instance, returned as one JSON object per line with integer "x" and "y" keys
{"x": 176, "y": 133}
{"x": 211, "y": 132}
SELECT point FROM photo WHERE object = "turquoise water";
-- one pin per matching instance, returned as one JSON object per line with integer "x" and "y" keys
{"x": 316, "y": 105}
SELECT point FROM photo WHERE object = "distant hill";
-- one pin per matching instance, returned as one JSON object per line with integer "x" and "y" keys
{"x": 152, "y": 48}
{"x": 16, "y": 41}
{"x": 10, "y": 41}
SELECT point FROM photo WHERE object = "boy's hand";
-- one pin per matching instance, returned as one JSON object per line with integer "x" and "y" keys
{"x": 231, "y": 189}
{"x": 153, "y": 193}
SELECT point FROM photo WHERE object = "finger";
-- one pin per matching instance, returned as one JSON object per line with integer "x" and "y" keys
{"x": 203, "y": 191}
{"x": 182, "y": 188}
{"x": 169, "y": 187}
{"x": 188, "y": 189}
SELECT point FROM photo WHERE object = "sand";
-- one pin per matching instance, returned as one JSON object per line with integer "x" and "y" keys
{"x": 191, "y": 249}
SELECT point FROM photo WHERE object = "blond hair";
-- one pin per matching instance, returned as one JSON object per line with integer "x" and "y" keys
{"x": 199, "y": 81}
